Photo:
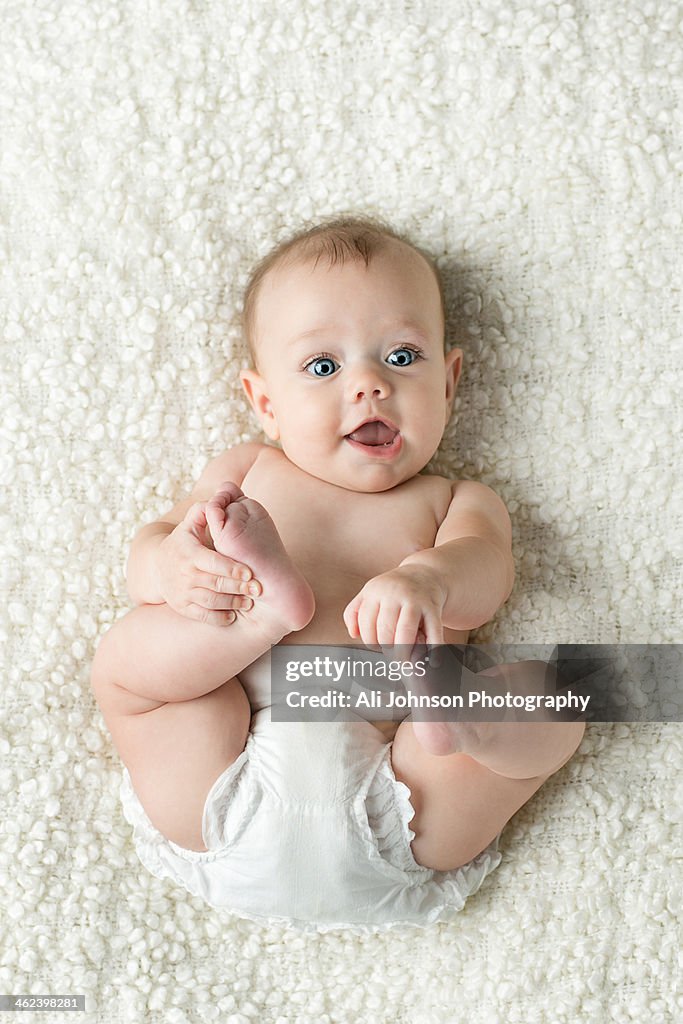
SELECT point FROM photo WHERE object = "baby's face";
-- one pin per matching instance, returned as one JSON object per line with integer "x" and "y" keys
{"x": 341, "y": 348}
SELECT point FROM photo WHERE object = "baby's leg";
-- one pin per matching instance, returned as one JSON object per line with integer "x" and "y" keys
{"x": 166, "y": 686}
{"x": 522, "y": 746}
{"x": 162, "y": 656}
{"x": 463, "y": 798}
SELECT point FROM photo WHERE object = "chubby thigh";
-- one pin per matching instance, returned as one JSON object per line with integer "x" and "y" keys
{"x": 175, "y": 752}
{"x": 460, "y": 806}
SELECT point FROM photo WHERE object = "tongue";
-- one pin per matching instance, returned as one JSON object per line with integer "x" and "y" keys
{"x": 373, "y": 434}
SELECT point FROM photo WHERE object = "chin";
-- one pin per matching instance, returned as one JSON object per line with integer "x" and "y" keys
{"x": 377, "y": 481}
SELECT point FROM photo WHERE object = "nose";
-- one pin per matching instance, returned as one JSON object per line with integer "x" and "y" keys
{"x": 368, "y": 381}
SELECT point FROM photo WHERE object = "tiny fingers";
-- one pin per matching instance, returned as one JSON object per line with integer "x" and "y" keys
{"x": 195, "y": 511}
{"x": 230, "y": 490}
{"x": 388, "y": 615}
{"x": 195, "y": 518}
{"x": 223, "y": 496}
{"x": 210, "y": 599}
{"x": 407, "y": 626}
{"x": 230, "y": 585}
{"x": 387, "y": 621}
{"x": 209, "y": 616}
{"x": 237, "y": 581}
{"x": 433, "y": 630}
{"x": 215, "y": 516}
{"x": 350, "y": 617}
{"x": 226, "y": 576}
{"x": 367, "y": 622}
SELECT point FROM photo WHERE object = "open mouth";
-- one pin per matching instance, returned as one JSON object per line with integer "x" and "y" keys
{"x": 376, "y": 437}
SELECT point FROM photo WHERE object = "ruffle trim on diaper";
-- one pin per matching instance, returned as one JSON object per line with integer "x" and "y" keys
{"x": 147, "y": 840}
{"x": 313, "y": 928}
{"x": 230, "y": 803}
{"x": 158, "y": 853}
{"x": 455, "y": 887}
{"x": 432, "y": 896}
{"x": 422, "y": 896}
{"x": 389, "y": 811}
{"x": 438, "y": 900}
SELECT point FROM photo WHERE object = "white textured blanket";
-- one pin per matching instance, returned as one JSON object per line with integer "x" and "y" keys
{"x": 149, "y": 153}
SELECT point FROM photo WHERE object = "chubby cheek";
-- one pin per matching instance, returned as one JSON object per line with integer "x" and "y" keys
{"x": 428, "y": 439}
{"x": 431, "y": 412}
{"x": 308, "y": 430}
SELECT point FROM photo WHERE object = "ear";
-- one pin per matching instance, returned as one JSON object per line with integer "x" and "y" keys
{"x": 453, "y": 362}
{"x": 255, "y": 389}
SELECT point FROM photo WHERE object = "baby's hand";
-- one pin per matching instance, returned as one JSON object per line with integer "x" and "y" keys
{"x": 402, "y": 606}
{"x": 197, "y": 581}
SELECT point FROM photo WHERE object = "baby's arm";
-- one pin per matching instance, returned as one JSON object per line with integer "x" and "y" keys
{"x": 472, "y": 555}
{"x": 173, "y": 557}
{"x": 459, "y": 583}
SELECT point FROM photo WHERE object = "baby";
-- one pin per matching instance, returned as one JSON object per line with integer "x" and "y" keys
{"x": 332, "y": 535}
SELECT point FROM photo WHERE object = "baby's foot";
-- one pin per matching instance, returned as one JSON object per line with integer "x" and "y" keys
{"x": 471, "y": 733}
{"x": 517, "y": 746}
{"x": 460, "y": 736}
{"x": 242, "y": 529}
{"x": 448, "y": 737}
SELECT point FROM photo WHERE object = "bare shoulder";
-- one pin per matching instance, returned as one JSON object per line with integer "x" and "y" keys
{"x": 471, "y": 493}
{"x": 475, "y": 509}
{"x": 232, "y": 465}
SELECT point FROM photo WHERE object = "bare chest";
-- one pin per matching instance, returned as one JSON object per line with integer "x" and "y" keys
{"x": 340, "y": 539}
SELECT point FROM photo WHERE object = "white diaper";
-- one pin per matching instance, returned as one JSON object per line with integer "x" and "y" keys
{"x": 310, "y": 826}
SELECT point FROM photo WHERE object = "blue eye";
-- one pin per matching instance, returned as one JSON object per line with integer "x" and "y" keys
{"x": 321, "y": 366}
{"x": 402, "y": 356}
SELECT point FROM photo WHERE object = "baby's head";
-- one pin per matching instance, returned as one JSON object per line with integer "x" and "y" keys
{"x": 345, "y": 328}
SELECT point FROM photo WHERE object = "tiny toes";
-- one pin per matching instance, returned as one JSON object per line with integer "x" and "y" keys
{"x": 231, "y": 490}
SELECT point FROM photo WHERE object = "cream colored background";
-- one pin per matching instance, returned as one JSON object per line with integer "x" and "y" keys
{"x": 149, "y": 153}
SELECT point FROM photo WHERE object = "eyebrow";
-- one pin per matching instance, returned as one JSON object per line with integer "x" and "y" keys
{"x": 390, "y": 324}
{"x": 323, "y": 329}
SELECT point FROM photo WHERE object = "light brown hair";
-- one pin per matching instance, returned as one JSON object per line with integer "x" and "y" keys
{"x": 336, "y": 240}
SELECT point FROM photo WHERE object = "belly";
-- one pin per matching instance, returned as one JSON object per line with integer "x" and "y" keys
{"x": 334, "y": 585}
{"x": 256, "y": 680}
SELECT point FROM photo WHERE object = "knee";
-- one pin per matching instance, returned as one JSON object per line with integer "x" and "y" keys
{"x": 572, "y": 734}
{"x": 104, "y": 663}
{"x": 112, "y": 659}
{"x": 439, "y": 857}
